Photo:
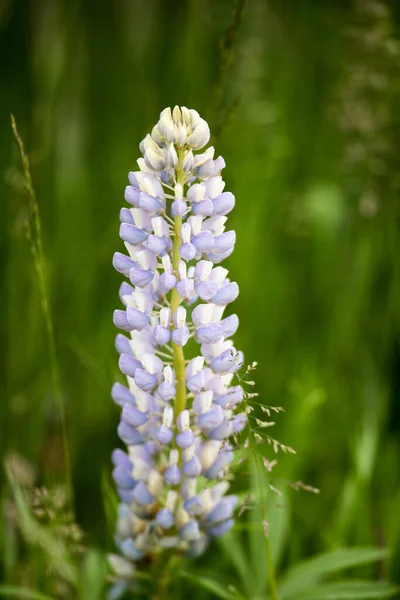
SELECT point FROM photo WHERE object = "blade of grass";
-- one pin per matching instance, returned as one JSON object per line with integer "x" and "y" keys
{"x": 34, "y": 235}
{"x": 10, "y": 591}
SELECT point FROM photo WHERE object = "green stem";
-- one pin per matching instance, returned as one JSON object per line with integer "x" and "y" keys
{"x": 165, "y": 578}
{"x": 273, "y": 586}
{"x": 178, "y": 356}
{"x": 34, "y": 235}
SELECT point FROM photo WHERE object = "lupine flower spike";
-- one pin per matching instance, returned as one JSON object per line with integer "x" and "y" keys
{"x": 177, "y": 414}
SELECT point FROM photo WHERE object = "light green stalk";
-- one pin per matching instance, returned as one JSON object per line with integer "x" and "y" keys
{"x": 179, "y": 358}
{"x": 34, "y": 235}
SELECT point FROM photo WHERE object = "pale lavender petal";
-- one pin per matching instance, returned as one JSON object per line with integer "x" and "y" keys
{"x": 206, "y": 289}
{"x": 172, "y": 475}
{"x": 192, "y": 468}
{"x": 185, "y": 438}
{"x": 228, "y": 293}
{"x": 136, "y": 318}
{"x": 129, "y": 435}
{"x": 122, "y": 344}
{"x": 222, "y": 528}
{"x": 164, "y": 518}
{"x": 122, "y": 263}
{"x": 128, "y": 365}
{"x": 141, "y": 494}
{"x": 133, "y": 416}
{"x": 132, "y": 234}
{"x": 121, "y": 395}
{"x": 123, "y": 478}
{"x": 140, "y": 277}
{"x": 145, "y": 381}
{"x": 120, "y": 320}
{"x": 203, "y": 241}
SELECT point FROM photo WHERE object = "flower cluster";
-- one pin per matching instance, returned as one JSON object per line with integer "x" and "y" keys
{"x": 177, "y": 414}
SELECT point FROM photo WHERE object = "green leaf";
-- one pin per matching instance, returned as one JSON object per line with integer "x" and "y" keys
{"x": 312, "y": 571}
{"x": 233, "y": 549}
{"x": 257, "y": 540}
{"x": 10, "y": 591}
{"x": 349, "y": 590}
{"x": 219, "y": 590}
{"x": 93, "y": 576}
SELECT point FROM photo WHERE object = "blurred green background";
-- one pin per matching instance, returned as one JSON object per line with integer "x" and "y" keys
{"x": 303, "y": 101}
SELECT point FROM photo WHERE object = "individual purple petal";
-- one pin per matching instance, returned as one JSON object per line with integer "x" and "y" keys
{"x": 223, "y": 510}
{"x": 128, "y": 365}
{"x": 203, "y": 241}
{"x": 221, "y": 528}
{"x": 123, "y": 478}
{"x": 141, "y": 494}
{"x": 125, "y": 216}
{"x": 209, "y": 334}
{"x": 164, "y": 518}
{"x": 140, "y": 277}
{"x": 184, "y": 287}
{"x": 229, "y": 325}
{"x": 184, "y": 439}
{"x": 217, "y": 258}
{"x": 132, "y": 195}
{"x": 166, "y": 282}
{"x": 224, "y": 242}
{"x": 180, "y": 336}
{"x": 166, "y": 390}
{"x": 137, "y": 319}
{"x": 211, "y": 419}
{"x": 172, "y": 475}
{"x": 178, "y": 207}
{"x": 156, "y": 245}
{"x": 196, "y": 382}
{"x": 133, "y": 180}
{"x": 239, "y": 423}
{"x": 161, "y": 335}
{"x": 125, "y": 495}
{"x": 129, "y": 435}
{"x": 120, "y": 458}
{"x": 149, "y": 204}
{"x": 222, "y": 432}
{"x": 194, "y": 506}
{"x": 225, "y": 361}
{"x": 125, "y": 289}
{"x": 231, "y": 398}
{"x": 224, "y": 458}
{"x": 121, "y": 395}
{"x": 223, "y": 203}
{"x": 163, "y": 434}
{"x": 187, "y": 251}
{"x": 133, "y": 416}
{"x": 211, "y": 168}
{"x": 228, "y": 293}
{"x": 122, "y": 344}
{"x": 204, "y": 207}
{"x": 192, "y": 468}
{"x": 145, "y": 381}
{"x": 122, "y": 263}
{"x": 206, "y": 289}
{"x": 120, "y": 320}
{"x": 132, "y": 234}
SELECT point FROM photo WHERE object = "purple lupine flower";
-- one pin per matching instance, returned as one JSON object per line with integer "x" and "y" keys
{"x": 178, "y": 412}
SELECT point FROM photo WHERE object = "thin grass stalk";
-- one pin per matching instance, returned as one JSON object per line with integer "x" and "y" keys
{"x": 34, "y": 236}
